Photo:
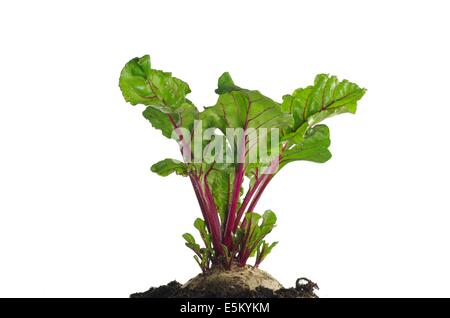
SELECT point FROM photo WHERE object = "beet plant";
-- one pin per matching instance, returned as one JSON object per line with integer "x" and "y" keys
{"x": 232, "y": 150}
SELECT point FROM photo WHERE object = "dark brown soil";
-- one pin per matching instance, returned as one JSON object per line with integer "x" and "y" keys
{"x": 304, "y": 288}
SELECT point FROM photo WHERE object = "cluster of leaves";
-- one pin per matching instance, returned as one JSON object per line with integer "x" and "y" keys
{"x": 230, "y": 229}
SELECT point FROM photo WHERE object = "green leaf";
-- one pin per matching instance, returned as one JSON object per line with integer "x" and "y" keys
{"x": 268, "y": 219}
{"x": 189, "y": 238}
{"x": 268, "y": 222}
{"x": 269, "y": 248}
{"x": 226, "y": 84}
{"x": 203, "y": 255}
{"x": 242, "y": 108}
{"x": 140, "y": 84}
{"x": 159, "y": 120}
{"x": 245, "y": 109}
{"x": 168, "y": 166}
{"x": 197, "y": 260}
{"x": 220, "y": 182}
{"x": 327, "y": 97}
{"x": 248, "y": 110}
{"x": 252, "y": 220}
{"x": 226, "y": 254}
{"x": 200, "y": 225}
{"x": 313, "y": 148}
{"x": 311, "y": 105}
{"x": 163, "y": 94}
{"x": 183, "y": 116}
{"x": 263, "y": 250}
{"x": 257, "y": 251}
{"x": 257, "y": 228}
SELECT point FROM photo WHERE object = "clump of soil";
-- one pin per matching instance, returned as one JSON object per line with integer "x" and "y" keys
{"x": 239, "y": 282}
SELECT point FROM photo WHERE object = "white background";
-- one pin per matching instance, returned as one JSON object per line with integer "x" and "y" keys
{"x": 82, "y": 215}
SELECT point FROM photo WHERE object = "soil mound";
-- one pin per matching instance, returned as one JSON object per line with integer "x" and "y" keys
{"x": 246, "y": 282}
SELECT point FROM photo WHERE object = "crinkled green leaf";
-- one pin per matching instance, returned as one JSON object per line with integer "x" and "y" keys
{"x": 163, "y": 94}
{"x": 309, "y": 106}
{"x": 256, "y": 229}
{"x": 248, "y": 110}
{"x": 327, "y": 97}
{"x": 168, "y": 166}
{"x": 140, "y": 84}
{"x": 245, "y": 109}
{"x": 189, "y": 238}
{"x": 202, "y": 256}
{"x": 242, "y": 108}
{"x": 268, "y": 222}
{"x": 183, "y": 116}
{"x": 159, "y": 120}
{"x": 313, "y": 148}
{"x": 225, "y": 84}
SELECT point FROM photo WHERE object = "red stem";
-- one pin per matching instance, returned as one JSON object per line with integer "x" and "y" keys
{"x": 259, "y": 193}
{"x": 229, "y": 225}
{"x": 208, "y": 210}
{"x": 238, "y": 179}
{"x": 268, "y": 175}
{"x": 246, "y": 201}
{"x": 214, "y": 219}
{"x": 200, "y": 200}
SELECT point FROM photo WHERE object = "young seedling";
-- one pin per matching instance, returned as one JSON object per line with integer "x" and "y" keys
{"x": 245, "y": 135}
